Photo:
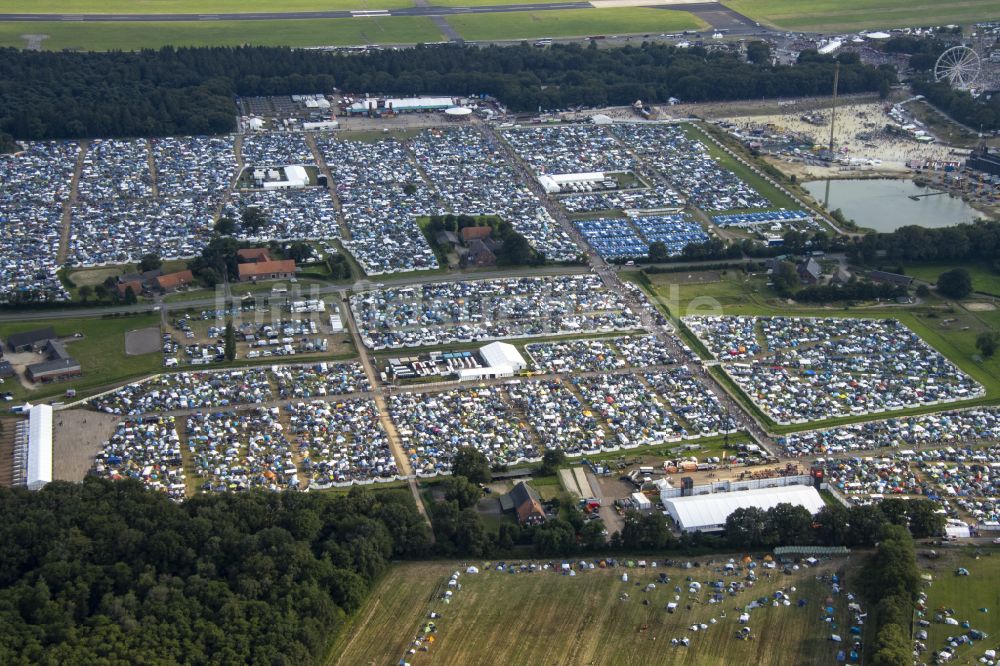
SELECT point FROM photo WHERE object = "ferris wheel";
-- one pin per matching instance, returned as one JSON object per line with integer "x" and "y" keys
{"x": 959, "y": 66}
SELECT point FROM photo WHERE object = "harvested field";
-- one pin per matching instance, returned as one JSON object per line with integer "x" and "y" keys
{"x": 547, "y": 618}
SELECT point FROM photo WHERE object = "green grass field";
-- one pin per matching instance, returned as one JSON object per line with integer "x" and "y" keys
{"x": 190, "y": 6}
{"x": 572, "y": 23}
{"x": 983, "y": 278}
{"x": 101, "y": 353}
{"x": 837, "y": 15}
{"x": 966, "y": 595}
{"x": 141, "y": 34}
{"x": 546, "y": 618}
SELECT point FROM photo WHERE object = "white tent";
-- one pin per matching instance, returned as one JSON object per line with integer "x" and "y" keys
{"x": 707, "y": 513}
{"x": 502, "y": 354}
{"x": 39, "y": 446}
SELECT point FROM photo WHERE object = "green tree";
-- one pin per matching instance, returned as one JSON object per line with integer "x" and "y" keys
{"x": 923, "y": 291}
{"x": 299, "y": 251}
{"x": 130, "y": 297}
{"x": 459, "y": 489}
{"x": 86, "y": 291}
{"x": 831, "y": 525}
{"x": 785, "y": 278}
{"x": 658, "y": 252}
{"x": 759, "y": 52}
{"x": 892, "y": 647}
{"x": 225, "y": 226}
{"x": 956, "y": 283}
{"x": 925, "y": 521}
{"x": 472, "y": 464}
{"x": 253, "y": 220}
{"x": 150, "y": 262}
{"x": 554, "y": 538}
{"x": 986, "y": 342}
{"x": 552, "y": 460}
{"x": 745, "y": 528}
{"x": 866, "y": 525}
{"x": 229, "y": 341}
{"x": 789, "y": 525}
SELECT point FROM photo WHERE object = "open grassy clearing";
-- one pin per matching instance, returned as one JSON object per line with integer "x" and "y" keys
{"x": 132, "y": 36}
{"x": 190, "y": 6}
{"x": 101, "y": 353}
{"x": 572, "y": 23}
{"x": 966, "y": 595}
{"x": 983, "y": 278}
{"x": 546, "y": 618}
{"x": 832, "y": 15}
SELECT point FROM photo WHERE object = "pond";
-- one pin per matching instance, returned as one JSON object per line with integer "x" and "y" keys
{"x": 886, "y": 205}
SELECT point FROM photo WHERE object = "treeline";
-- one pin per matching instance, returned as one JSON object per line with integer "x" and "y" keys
{"x": 923, "y": 52}
{"x": 978, "y": 241}
{"x": 978, "y": 114}
{"x": 46, "y": 95}
{"x": 834, "y": 525}
{"x": 110, "y": 573}
{"x": 852, "y": 291}
{"x": 891, "y": 582}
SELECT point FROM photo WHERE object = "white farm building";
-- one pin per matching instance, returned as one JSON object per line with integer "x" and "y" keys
{"x": 708, "y": 513}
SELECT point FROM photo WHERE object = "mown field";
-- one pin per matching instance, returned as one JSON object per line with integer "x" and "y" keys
{"x": 837, "y": 15}
{"x": 966, "y": 595}
{"x": 131, "y": 36}
{"x": 101, "y": 352}
{"x": 572, "y": 23}
{"x": 190, "y": 6}
{"x": 546, "y": 618}
{"x": 983, "y": 277}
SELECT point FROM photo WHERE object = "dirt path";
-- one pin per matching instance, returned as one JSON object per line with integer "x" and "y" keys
{"x": 74, "y": 192}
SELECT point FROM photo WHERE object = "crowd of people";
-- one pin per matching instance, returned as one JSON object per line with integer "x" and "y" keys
{"x": 468, "y": 311}
{"x": 246, "y": 450}
{"x": 147, "y": 450}
{"x": 36, "y": 183}
{"x": 943, "y": 428}
{"x": 289, "y": 214}
{"x": 569, "y": 149}
{"x": 689, "y": 166}
{"x": 654, "y": 197}
{"x": 224, "y": 388}
{"x": 599, "y": 355}
{"x": 802, "y": 369}
{"x": 340, "y": 443}
{"x": 381, "y": 196}
{"x": 472, "y": 177}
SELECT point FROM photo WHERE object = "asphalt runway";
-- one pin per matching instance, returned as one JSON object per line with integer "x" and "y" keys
{"x": 716, "y": 15}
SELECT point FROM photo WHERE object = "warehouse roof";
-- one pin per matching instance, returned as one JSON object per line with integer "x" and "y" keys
{"x": 709, "y": 512}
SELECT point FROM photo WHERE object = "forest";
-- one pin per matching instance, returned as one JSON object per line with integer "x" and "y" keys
{"x": 46, "y": 95}
{"x": 109, "y": 573}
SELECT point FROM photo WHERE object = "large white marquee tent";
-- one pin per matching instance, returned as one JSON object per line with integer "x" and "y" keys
{"x": 708, "y": 513}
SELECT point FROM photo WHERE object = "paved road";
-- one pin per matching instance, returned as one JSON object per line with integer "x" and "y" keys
{"x": 719, "y": 17}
